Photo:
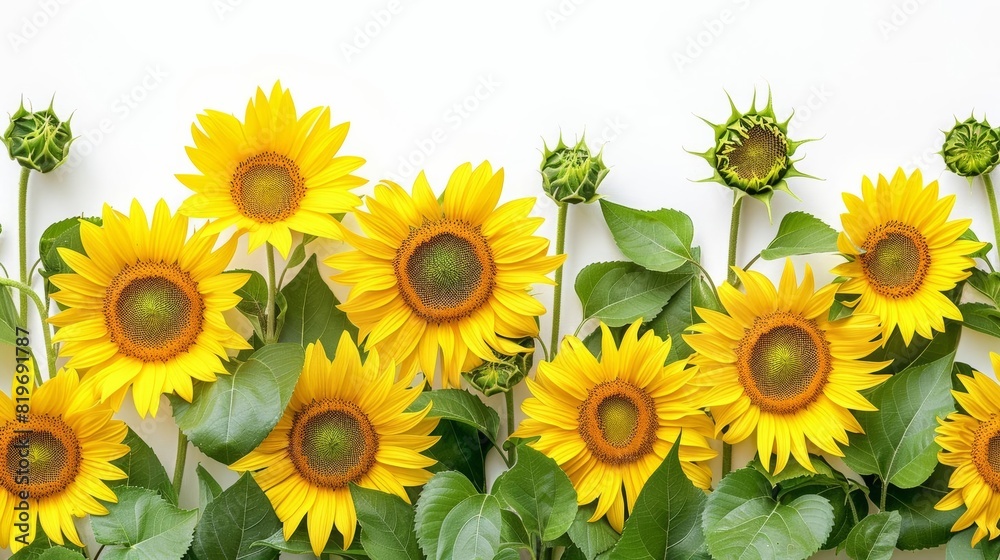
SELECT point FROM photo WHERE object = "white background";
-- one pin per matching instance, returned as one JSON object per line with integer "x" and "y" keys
{"x": 440, "y": 83}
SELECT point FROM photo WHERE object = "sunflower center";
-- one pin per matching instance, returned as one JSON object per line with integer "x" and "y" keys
{"x": 986, "y": 451}
{"x": 783, "y": 362}
{"x": 445, "y": 270}
{"x": 332, "y": 443}
{"x": 617, "y": 421}
{"x": 267, "y": 187}
{"x": 755, "y": 154}
{"x": 42, "y": 456}
{"x": 896, "y": 259}
{"x": 153, "y": 311}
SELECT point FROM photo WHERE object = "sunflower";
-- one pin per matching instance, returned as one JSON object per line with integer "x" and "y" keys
{"x": 144, "y": 306}
{"x": 970, "y": 442}
{"x": 777, "y": 365}
{"x": 452, "y": 275}
{"x": 58, "y": 454}
{"x": 345, "y": 424}
{"x": 903, "y": 254}
{"x": 611, "y": 423}
{"x": 272, "y": 173}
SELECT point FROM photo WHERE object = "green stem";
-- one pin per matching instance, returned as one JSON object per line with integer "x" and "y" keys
{"x": 707, "y": 276}
{"x": 557, "y": 290}
{"x": 992, "y": 196}
{"x": 727, "y": 458}
{"x": 885, "y": 490}
{"x": 182, "y": 447}
{"x": 27, "y": 292}
{"x": 22, "y": 238}
{"x": 854, "y": 510}
{"x": 546, "y": 553}
{"x": 545, "y": 350}
{"x": 271, "y": 293}
{"x": 747, "y": 266}
{"x": 509, "y": 400}
{"x": 734, "y": 231}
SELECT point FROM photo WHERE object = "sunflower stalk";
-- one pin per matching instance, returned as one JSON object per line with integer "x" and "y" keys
{"x": 509, "y": 400}
{"x": 182, "y": 445}
{"x": 269, "y": 334}
{"x": 27, "y": 292}
{"x": 734, "y": 232}
{"x": 557, "y": 289}
{"x": 991, "y": 195}
{"x": 22, "y": 239}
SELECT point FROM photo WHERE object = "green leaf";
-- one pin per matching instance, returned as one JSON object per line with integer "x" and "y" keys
{"x": 920, "y": 350}
{"x": 987, "y": 284}
{"x": 620, "y": 292}
{"x": 8, "y": 317}
{"x": 254, "y": 303}
{"x": 679, "y": 314}
{"x": 208, "y": 488}
{"x": 460, "y": 448}
{"x": 60, "y": 553}
{"x": 236, "y": 519}
{"x": 461, "y": 406}
{"x": 386, "y": 525}
{"x": 512, "y": 532}
{"x": 299, "y": 544}
{"x": 144, "y": 526}
{"x": 228, "y": 418}
{"x": 143, "y": 469}
{"x": 592, "y": 538}
{"x": 440, "y": 495}
{"x": 65, "y": 234}
{"x": 41, "y": 545}
{"x": 960, "y": 548}
{"x": 874, "y": 538}
{"x": 312, "y": 311}
{"x": 593, "y": 340}
{"x": 922, "y": 526}
{"x": 981, "y": 253}
{"x": 666, "y": 518}
{"x": 898, "y": 441}
{"x": 742, "y": 520}
{"x": 471, "y": 530}
{"x": 801, "y": 233}
{"x": 659, "y": 240}
{"x": 539, "y": 492}
{"x": 981, "y": 317}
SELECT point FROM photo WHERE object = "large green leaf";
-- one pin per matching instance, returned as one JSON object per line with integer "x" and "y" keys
{"x": 143, "y": 469}
{"x": 679, "y": 314}
{"x": 228, "y": 418}
{"x": 144, "y": 526}
{"x": 659, "y": 240}
{"x": 960, "y": 547}
{"x": 922, "y": 525}
{"x": 801, "y": 233}
{"x": 846, "y": 497}
{"x": 461, "y": 406}
{"x": 299, "y": 544}
{"x": 987, "y": 284}
{"x": 38, "y": 548}
{"x": 234, "y": 521}
{"x": 874, "y": 538}
{"x": 208, "y": 488}
{"x": 513, "y": 535}
{"x": 8, "y": 317}
{"x": 386, "y": 525}
{"x": 592, "y": 538}
{"x": 666, "y": 518}
{"x": 440, "y": 495}
{"x": 471, "y": 530}
{"x": 312, "y": 311}
{"x": 62, "y": 234}
{"x": 539, "y": 492}
{"x": 981, "y": 317}
{"x": 742, "y": 520}
{"x": 460, "y": 448}
{"x": 620, "y": 292}
{"x": 898, "y": 441}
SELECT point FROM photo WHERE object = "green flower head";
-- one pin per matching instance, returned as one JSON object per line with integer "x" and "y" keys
{"x": 971, "y": 148}
{"x": 571, "y": 175}
{"x": 38, "y": 140}
{"x": 752, "y": 154}
{"x": 503, "y": 374}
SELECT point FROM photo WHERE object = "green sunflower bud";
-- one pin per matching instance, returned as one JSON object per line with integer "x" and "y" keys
{"x": 571, "y": 175}
{"x": 38, "y": 140}
{"x": 971, "y": 148}
{"x": 752, "y": 154}
{"x": 501, "y": 376}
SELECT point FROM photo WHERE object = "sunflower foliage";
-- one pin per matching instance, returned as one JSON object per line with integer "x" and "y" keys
{"x": 354, "y": 395}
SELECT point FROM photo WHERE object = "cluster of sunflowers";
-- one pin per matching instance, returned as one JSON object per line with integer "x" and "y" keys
{"x": 331, "y": 411}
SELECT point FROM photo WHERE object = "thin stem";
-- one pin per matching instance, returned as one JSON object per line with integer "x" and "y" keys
{"x": 509, "y": 400}
{"x": 27, "y": 292}
{"x": 22, "y": 238}
{"x": 727, "y": 458}
{"x": 545, "y": 349}
{"x": 271, "y": 291}
{"x": 546, "y": 553}
{"x": 707, "y": 276}
{"x": 854, "y": 510}
{"x": 746, "y": 267}
{"x": 182, "y": 447}
{"x": 734, "y": 231}
{"x": 557, "y": 290}
{"x": 992, "y": 196}
{"x": 885, "y": 490}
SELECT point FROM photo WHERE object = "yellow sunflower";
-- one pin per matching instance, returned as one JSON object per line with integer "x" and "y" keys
{"x": 58, "y": 456}
{"x": 272, "y": 173}
{"x": 777, "y": 365}
{"x": 453, "y": 275}
{"x": 903, "y": 254}
{"x": 970, "y": 442}
{"x": 144, "y": 306}
{"x": 610, "y": 423}
{"x": 345, "y": 424}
